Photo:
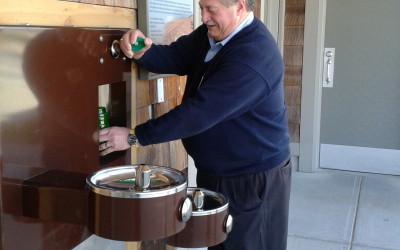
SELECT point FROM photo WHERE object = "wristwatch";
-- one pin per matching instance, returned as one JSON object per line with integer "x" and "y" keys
{"x": 132, "y": 139}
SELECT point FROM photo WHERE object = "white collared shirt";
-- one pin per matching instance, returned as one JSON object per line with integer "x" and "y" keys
{"x": 215, "y": 47}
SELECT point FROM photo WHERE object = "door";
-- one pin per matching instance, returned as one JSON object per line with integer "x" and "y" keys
{"x": 360, "y": 110}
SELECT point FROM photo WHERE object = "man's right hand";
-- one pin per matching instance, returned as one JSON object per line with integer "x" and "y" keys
{"x": 130, "y": 38}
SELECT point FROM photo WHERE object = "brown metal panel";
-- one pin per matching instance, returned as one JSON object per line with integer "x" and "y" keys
{"x": 50, "y": 79}
{"x": 57, "y": 196}
{"x": 126, "y": 219}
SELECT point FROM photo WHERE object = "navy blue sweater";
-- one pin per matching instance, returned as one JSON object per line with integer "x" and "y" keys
{"x": 232, "y": 119}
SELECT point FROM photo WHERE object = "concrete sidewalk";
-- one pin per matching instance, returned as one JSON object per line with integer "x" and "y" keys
{"x": 333, "y": 210}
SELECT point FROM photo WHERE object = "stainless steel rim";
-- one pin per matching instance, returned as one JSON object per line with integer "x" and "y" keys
{"x": 96, "y": 183}
{"x": 223, "y": 206}
{"x": 209, "y": 212}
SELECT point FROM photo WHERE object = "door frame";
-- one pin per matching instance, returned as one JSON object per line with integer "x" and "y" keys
{"x": 273, "y": 15}
{"x": 314, "y": 39}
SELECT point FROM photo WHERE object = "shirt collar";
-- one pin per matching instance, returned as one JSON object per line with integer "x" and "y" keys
{"x": 243, "y": 24}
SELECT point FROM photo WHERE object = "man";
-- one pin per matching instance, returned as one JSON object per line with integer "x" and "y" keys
{"x": 232, "y": 120}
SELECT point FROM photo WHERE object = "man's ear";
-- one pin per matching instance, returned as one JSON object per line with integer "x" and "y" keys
{"x": 241, "y": 7}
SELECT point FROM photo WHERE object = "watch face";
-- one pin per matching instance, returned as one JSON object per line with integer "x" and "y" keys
{"x": 132, "y": 140}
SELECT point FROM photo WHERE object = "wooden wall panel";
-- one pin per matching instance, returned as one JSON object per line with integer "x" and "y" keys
{"x": 293, "y": 114}
{"x": 61, "y": 13}
{"x": 293, "y": 75}
{"x": 294, "y": 35}
{"x": 295, "y": 2}
{"x": 293, "y": 59}
{"x": 294, "y": 132}
{"x": 295, "y": 15}
{"x": 293, "y": 55}
{"x": 257, "y": 10}
{"x": 293, "y": 96}
{"x": 117, "y": 3}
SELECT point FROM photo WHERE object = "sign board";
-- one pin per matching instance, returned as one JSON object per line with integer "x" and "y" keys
{"x": 164, "y": 21}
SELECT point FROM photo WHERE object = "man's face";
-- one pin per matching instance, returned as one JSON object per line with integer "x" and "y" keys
{"x": 220, "y": 20}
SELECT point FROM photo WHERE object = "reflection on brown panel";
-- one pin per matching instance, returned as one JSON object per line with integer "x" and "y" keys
{"x": 51, "y": 86}
{"x": 56, "y": 195}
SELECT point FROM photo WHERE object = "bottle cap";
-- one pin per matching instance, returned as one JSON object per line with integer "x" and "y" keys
{"x": 138, "y": 45}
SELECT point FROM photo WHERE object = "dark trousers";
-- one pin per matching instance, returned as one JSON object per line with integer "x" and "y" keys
{"x": 259, "y": 205}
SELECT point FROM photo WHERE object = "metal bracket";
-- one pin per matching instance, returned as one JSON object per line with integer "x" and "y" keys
{"x": 160, "y": 90}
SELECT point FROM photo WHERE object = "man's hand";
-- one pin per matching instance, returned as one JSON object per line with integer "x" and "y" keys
{"x": 113, "y": 139}
{"x": 130, "y": 38}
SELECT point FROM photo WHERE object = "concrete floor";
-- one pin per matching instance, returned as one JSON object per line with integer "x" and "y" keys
{"x": 332, "y": 210}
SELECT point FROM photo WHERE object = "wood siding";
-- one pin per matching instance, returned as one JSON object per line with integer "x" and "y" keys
{"x": 293, "y": 59}
{"x": 61, "y": 13}
{"x": 116, "y": 3}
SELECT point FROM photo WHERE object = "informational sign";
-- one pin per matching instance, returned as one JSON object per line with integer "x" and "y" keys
{"x": 164, "y": 21}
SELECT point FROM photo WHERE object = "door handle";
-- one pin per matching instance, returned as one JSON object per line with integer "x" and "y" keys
{"x": 329, "y": 65}
{"x": 115, "y": 49}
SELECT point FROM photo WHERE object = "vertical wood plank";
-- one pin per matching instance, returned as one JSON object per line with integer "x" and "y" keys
{"x": 293, "y": 75}
{"x": 295, "y": 15}
{"x": 257, "y": 10}
{"x": 293, "y": 59}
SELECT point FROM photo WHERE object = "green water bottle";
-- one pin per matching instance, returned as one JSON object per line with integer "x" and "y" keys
{"x": 103, "y": 118}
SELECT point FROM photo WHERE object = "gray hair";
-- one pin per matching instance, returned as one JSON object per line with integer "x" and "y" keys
{"x": 250, "y": 4}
